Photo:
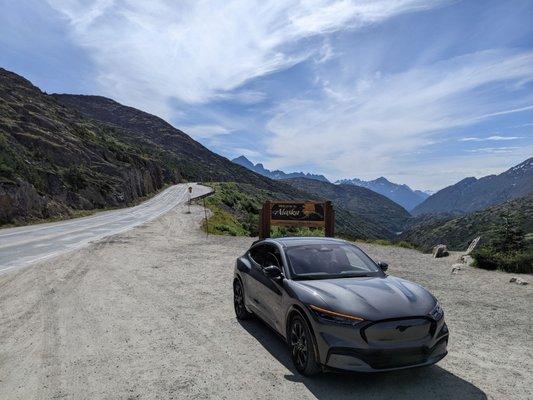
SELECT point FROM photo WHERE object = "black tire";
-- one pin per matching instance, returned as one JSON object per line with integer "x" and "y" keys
{"x": 301, "y": 344}
{"x": 238, "y": 301}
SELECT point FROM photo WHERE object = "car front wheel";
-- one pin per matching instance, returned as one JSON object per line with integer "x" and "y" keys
{"x": 302, "y": 349}
{"x": 238, "y": 301}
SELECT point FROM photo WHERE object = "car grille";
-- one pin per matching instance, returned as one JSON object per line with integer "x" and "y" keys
{"x": 388, "y": 358}
{"x": 394, "y": 332}
{"x": 398, "y": 358}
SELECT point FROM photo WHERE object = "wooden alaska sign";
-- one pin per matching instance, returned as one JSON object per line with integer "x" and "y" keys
{"x": 310, "y": 214}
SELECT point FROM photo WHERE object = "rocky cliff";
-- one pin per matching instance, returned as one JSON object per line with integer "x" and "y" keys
{"x": 53, "y": 160}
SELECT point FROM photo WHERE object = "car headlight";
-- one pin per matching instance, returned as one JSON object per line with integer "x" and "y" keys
{"x": 335, "y": 317}
{"x": 437, "y": 313}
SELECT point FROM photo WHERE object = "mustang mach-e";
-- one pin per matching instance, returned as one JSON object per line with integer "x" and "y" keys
{"x": 336, "y": 308}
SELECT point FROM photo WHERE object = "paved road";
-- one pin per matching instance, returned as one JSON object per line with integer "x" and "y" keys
{"x": 25, "y": 245}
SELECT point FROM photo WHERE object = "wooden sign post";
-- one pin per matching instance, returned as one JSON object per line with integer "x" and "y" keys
{"x": 189, "y": 202}
{"x": 297, "y": 214}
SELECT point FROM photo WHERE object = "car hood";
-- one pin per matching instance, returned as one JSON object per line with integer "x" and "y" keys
{"x": 371, "y": 298}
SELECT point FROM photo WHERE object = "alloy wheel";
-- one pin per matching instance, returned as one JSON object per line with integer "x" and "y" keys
{"x": 299, "y": 345}
{"x": 238, "y": 301}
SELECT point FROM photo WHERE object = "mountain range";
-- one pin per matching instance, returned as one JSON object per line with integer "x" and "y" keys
{"x": 471, "y": 194}
{"x": 276, "y": 174}
{"x": 401, "y": 194}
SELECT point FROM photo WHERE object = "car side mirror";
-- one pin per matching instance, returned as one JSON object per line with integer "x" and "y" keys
{"x": 272, "y": 272}
{"x": 383, "y": 265}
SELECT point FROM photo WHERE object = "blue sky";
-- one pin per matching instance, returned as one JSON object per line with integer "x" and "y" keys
{"x": 422, "y": 92}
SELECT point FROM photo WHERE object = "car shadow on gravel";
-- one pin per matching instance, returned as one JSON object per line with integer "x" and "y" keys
{"x": 429, "y": 382}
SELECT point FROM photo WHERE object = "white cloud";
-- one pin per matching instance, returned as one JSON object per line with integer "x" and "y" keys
{"x": 490, "y": 138}
{"x": 243, "y": 96}
{"x": 504, "y": 112}
{"x": 82, "y": 14}
{"x": 205, "y": 131}
{"x": 493, "y": 150}
{"x": 150, "y": 52}
{"x": 367, "y": 124}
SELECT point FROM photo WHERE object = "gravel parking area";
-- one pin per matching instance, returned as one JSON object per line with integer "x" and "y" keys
{"x": 148, "y": 314}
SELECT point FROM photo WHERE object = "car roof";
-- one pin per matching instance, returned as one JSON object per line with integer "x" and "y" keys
{"x": 301, "y": 241}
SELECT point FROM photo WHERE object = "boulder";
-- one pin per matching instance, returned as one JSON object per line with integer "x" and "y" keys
{"x": 473, "y": 245}
{"x": 439, "y": 251}
{"x": 466, "y": 259}
{"x": 518, "y": 281}
{"x": 456, "y": 268}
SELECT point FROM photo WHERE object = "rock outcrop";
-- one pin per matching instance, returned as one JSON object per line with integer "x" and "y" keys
{"x": 439, "y": 251}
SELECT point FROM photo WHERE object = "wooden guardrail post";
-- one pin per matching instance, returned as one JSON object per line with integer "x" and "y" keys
{"x": 264, "y": 221}
{"x": 329, "y": 216}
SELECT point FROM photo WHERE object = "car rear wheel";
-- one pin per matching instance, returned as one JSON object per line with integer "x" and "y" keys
{"x": 238, "y": 301}
{"x": 302, "y": 349}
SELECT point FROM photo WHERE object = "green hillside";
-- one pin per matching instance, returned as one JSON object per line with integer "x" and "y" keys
{"x": 458, "y": 232}
{"x": 383, "y": 213}
{"x": 236, "y": 208}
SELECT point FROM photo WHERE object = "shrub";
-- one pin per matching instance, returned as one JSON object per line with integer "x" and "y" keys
{"x": 382, "y": 242}
{"x": 517, "y": 262}
{"x": 280, "y": 231}
{"x": 508, "y": 237}
{"x": 405, "y": 245}
{"x": 507, "y": 251}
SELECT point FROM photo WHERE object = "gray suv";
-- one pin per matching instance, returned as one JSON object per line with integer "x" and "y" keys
{"x": 336, "y": 308}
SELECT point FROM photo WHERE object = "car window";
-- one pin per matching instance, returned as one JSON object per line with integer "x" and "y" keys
{"x": 266, "y": 255}
{"x": 329, "y": 260}
{"x": 258, "y": 254}
{"x": 271, "y": 259}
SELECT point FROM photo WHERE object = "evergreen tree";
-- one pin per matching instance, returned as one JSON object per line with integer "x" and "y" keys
{"x": 508, "y": 236}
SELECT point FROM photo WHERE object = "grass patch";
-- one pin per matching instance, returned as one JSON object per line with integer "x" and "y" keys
{"x": 223, "y": 223}
{"x": 381, "y": 242}
{"x": 406, "y": 245}
{"x": 235, "y": 209}
{"x": 386, "y": 242}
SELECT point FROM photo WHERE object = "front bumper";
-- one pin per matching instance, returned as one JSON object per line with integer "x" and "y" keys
{"x": 384, "y": 360}
{"x": 350, "y": 348}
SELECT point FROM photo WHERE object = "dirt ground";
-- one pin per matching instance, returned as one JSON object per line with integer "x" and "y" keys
{"x": 148, "y": 314}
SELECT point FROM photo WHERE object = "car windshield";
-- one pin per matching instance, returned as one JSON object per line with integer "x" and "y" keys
{"x": 329, "y": 260}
